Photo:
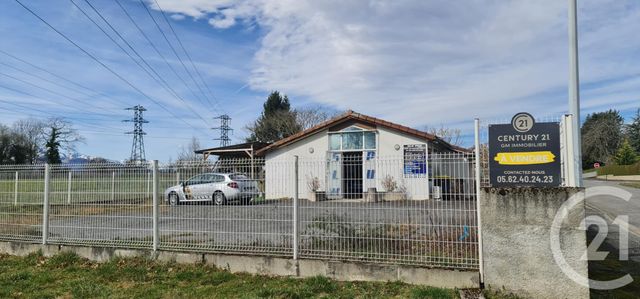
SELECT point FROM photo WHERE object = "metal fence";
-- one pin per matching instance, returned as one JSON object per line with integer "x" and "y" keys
{"x": 364, "y": 208}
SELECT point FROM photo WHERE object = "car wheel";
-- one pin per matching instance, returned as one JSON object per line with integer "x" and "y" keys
{"x": 173, "y": 199}
{"x": 219, "y": 199}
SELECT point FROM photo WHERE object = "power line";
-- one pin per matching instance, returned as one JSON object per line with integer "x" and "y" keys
{"x": 50, "y": 101}
{"x": 161, "y": 55}
{"x": 137, "y": 147}
{"x": 173, "y": 49}
{"x": 48, "y": 90}
{"x": 101, "y": 63}
{"x": 187, "y": 53}
{"x": 62, "y": 78}
{"x": 160, "y": 80}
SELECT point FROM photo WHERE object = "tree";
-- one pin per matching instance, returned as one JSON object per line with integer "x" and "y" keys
{"x": 53, "y": 147}
{"x": 277, "y": 121}
{"x": 188, "y": 152}
{"x": 601, "y": 136}
{"x": 632, "y": 132}
{"x": 33, "y": 137}
{"x": 12, "y": 147}
{"x": 626, "y": 155}
{"x": 449, "y": 135}
{"x": 310, "y": 116}
{"x": 61, "y": 135}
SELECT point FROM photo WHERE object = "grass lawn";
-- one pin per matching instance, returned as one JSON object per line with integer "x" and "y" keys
{"x": 68, "y": 276}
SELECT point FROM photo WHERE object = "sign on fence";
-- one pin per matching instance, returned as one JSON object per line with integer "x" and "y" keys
{"x": 524, "y": 153}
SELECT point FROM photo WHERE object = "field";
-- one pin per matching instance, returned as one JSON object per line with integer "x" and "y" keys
{"x": 68, "y": 276}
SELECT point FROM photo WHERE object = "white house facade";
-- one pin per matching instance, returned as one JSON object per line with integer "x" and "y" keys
{"x": 353, "y": 155}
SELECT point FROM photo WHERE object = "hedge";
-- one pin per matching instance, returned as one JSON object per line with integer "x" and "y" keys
{"x": 620, "y": 169}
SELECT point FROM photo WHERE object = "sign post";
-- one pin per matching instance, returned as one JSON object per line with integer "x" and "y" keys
{"x": 525, "y": 153}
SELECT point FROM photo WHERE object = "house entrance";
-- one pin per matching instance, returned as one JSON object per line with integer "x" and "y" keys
{"x": 352, "y": 174}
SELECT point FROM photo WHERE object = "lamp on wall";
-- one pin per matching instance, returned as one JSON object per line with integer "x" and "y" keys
{"x": 397, "y": 147}
{"x": 311, "y": 150}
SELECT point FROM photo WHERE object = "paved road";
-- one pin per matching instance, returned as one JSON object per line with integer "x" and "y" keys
{"x": 270, "y": 225}
{"x": 610, "y": 207}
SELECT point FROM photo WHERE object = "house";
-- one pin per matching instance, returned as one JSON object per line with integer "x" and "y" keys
{"x": 353, "y": 155}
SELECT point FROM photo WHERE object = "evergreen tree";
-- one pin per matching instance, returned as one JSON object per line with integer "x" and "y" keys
{"x": 626, "y": 155}
{"x": 277, "y": 121}
{"x": 601, "y": 136}
{"x": 633, "y": 132}
{"x": 53, "y": 147}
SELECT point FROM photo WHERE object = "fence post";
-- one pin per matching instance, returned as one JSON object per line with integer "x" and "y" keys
{"x": 113, "y": 186}
{"x": 177, "y": 178}
{"x": 156, "y": 233}
{"x": 45, "y": 207}
{"x": 295, "y": 211}
{"x": 69, "y": 189}
{"x": 15, "y": 195}
{"x": 478, "y": 182}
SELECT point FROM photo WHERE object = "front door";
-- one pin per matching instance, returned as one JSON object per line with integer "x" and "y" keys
{"x": 352, "y": 174}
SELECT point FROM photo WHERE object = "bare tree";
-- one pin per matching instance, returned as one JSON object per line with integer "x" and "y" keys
{"x": 310, "y": 116}
{"x": 33, "y": 132}
{"x": 450, "y": 135}
{"x": 188, "y": 152}
{"x": 60, "y": 134}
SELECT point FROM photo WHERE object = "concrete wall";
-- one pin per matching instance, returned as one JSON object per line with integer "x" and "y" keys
{"x": 264, "y": 265}
{"x": 516, "y": 225}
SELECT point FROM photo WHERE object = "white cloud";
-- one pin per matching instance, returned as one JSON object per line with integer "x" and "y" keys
{"x": 434, "y": 62}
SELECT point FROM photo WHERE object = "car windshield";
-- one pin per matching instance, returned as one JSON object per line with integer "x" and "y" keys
{"x": 238, "y": 176}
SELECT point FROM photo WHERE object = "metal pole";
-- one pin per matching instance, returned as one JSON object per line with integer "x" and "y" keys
{"x": 69, "y": 189}
{"x": 15, "y": 195}
{"x": 156, "y": 232}
{"x": 113, "y": 185}
{"x": 45, "y": 207}
{"x": 574, "y": 92}
{"x": 295, "y": 211}
{"x": 478, "y": 182}
{"x": 570, "y": 175}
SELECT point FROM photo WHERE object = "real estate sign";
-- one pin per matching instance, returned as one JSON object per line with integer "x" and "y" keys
{"x": 524, "y": 153}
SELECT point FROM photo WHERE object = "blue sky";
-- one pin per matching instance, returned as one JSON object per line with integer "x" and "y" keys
{"x": 419, "y": 63}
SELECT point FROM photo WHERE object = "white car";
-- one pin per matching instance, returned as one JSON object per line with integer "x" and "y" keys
{"x": 219, "y": 188}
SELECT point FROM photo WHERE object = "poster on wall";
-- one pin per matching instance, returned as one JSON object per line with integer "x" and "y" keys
{"x": 415, "y": 159}
{"x": 524, "y": 153}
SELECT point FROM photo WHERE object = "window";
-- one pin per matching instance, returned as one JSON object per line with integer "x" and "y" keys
{"x": 352, "y": 138}
{"x": 351, "y": 141}
{"x": 238, "y": 177}
{"x": 369, "y": 140}
{"x": 334, "y": 142}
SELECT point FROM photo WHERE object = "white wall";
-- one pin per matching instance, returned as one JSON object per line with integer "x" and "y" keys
{"x": 391, "y": 162}
{"x": 279, "y": 171}
{"x": 279, "y": 166}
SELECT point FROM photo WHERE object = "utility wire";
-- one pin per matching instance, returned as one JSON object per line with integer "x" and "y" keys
{"x": 64, "y": 79}
{"x": 187, "y": 53}
{"x": 101, "y": 63}
{"x": 55, "y": 103}
{"x": 146, "y": 37}
{"x": 51, "y": 91}
{"x": 188, "y": 56}
{"x": 173, "y": 49}
{"x": 47, "y": 80}
{"x": 161, "y": 81}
